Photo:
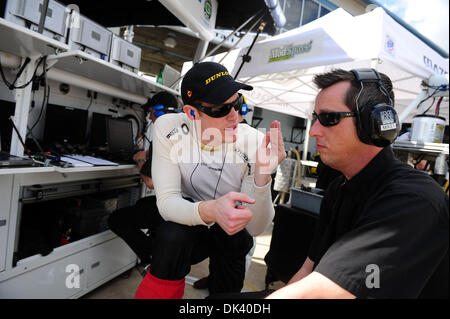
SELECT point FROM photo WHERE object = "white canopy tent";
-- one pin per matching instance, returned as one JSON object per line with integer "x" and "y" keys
{"x": 281, "y": 68}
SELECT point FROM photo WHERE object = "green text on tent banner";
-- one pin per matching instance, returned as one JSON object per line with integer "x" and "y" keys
{"x": 280, "y": 58}
{"x": 287, "y": 52}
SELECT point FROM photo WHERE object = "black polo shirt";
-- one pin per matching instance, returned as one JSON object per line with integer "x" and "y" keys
{"x": 384, "y": 233}
{"x": 146, "y": 169}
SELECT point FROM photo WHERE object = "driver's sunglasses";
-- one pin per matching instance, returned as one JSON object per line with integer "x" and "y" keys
{"x": 223, "y": 109}
{"x": 331, "y": 118}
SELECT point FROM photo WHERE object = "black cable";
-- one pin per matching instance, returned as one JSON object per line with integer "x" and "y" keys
{"x": 247, "y": 57}
{"x": 221, "y": 170}
{"x": 45, "y": 99}
{"x": 144, "y": 130}
{"x": 5, "y": 80}
{"x": 208, "y": 54}
{"x": 419, "y": 158}
{"x": 430, "y": 106}
{"x": 44, "y": 105}
{"x": 145, "y": 136}
{"x": 26, "y": 150}
{"x": 428, "y": 97}
{"x": 90, "y": 103}
{"x": 12, "y": 86}
{"x": 198, "y": 163}
{"x": 27, "y": 60}
{"x": 438, "y": 106}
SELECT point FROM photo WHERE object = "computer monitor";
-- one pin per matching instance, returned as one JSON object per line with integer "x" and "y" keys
{"x": 119, "y": 133}
{"x": 65, "y": 125}
{"x": 97, "y": 135}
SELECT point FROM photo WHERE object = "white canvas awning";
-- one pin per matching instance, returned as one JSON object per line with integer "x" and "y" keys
{"x": 281, "y": 68}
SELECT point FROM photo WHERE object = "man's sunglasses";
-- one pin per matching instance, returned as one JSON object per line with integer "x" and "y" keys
{"x": 221, "y": 110}
{"x": 331, "y": 118}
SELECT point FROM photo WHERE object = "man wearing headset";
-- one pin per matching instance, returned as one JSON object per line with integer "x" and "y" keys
{"x": 212, "y": 182}
{"x": 383, "y": 227}
{"x": 128, "y": 222}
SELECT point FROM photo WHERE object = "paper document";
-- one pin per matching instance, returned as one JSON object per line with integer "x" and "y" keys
{"x": 74, "y": 162}
{"x": 92, "y": 160}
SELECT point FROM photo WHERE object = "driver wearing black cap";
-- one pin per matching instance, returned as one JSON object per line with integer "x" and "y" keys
{"x": 212, "y": 182}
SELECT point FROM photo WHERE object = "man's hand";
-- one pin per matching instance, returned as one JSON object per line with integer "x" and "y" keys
{"x": 313, "y": 286}
{"x": 267, "y": 159}
{"x": 147, "y": 181}
{"x": 224, "y": 212}
{"x": 140, "y": 158}
{"x": 140, "y": 155}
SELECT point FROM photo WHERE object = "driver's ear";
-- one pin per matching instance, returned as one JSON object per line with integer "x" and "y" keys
{"x": 190, "y": 111}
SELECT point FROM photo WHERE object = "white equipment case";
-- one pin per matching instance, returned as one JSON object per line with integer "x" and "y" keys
{"x": 125, "y": 54}
{"x": 27, "y": 13}
{"x": 89, "y": 37}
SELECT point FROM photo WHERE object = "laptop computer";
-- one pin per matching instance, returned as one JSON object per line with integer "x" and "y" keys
{"x": 119, "y": 135}
{"x": 8, "y": 160}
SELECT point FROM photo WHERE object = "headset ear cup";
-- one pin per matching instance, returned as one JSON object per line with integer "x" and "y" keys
{"x": 159, "y": 110}
{"x": 363, "y": 124}
{"x": 244, "y": 106}
{"x": 244, "y": 109}
{"x": 385, "y": 125}
{"x": 378, "y": 125}
{"x": 158, "y": 113}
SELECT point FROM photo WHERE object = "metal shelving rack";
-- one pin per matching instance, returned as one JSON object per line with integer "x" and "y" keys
{"x": 99, "y": 257}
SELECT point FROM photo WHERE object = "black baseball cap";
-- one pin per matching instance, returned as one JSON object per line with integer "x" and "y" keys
{"x": 209, "y": 82}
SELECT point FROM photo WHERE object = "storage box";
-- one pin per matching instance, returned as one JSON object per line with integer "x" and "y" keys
{"x": 306, "y": 200}
{"x": 125, "y": 54}
{"x": 87, "y": 222}
{"x": 89, "y": 37}
{"x": 27, "y": 13}
{"x": 108, "y": 203}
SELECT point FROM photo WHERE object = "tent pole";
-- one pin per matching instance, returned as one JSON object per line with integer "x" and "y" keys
{"x": 230, "y": 35}
{"x": 306, "y": 143}
{"x": 248, "y": 31}
{"x": 247, "y": 57}
{"x": 201, "y": 50}
{"x": 374, "y": 64}
{"x": 223, "y": 41}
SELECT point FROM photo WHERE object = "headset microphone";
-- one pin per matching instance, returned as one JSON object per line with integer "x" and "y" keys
{"x": 244, "y": 107}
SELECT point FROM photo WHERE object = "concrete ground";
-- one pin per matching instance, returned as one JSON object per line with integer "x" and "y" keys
{"x": 125, "y": 285}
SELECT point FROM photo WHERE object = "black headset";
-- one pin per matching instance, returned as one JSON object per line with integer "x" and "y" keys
{"x": 160, "y": 109}
{"x": 161, "y": 103}
{"x": 376, "y": 124}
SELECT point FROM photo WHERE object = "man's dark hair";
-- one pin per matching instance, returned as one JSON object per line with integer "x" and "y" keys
{"x": 371, "y": 94}
{"x": 162, "y": 98}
